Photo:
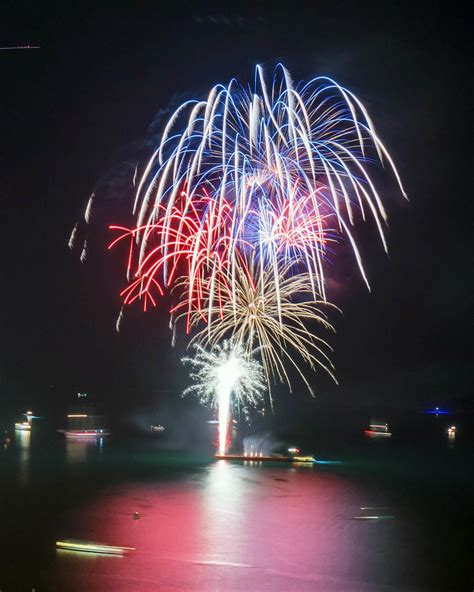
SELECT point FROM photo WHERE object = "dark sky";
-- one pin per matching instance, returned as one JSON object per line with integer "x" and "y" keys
{"x": 81, "y": 105}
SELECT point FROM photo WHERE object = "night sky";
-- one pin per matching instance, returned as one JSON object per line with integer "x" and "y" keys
{"x": 78, "y": 110}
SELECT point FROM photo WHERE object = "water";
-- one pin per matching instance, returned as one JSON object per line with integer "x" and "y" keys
{"x": 206, "y": 525}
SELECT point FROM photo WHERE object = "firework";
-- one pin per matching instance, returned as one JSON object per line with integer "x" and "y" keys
{"x": 274, "y": 154}
{"x": 270, "y": 317}
{"x": 235, "y": 214}
{"x": 197, "y": 245}
{"x": 226, "y": 375}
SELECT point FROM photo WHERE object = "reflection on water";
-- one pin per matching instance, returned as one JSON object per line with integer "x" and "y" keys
{"x": 23, "y": 441}
{"x": 451, "y": 439}
{"x": 78, "y": 451}
{"x": 223, "y": 506}
{"x": 234, "y": 527}
{"x": 452, "y": 436}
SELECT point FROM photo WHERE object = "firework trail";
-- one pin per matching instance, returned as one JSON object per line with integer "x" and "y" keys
{"x": 221, "y": 372}
{"x": 197, "y": 246}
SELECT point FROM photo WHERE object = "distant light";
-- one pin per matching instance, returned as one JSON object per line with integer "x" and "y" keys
{"x": 438, "y": 411}
{"x": 77, "y": 415}
{"x": 374, "y": 508}
{"x": 294, "y": 450}
{"x": 16, "y": 47}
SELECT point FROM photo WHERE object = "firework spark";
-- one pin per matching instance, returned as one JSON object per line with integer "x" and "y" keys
{"x": 193, "y": 240}
{"x": 271, "y": 316}
{"x": 223, "y": 376}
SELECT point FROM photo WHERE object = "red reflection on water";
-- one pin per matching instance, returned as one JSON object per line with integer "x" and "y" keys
{"x": 233, "y": 528}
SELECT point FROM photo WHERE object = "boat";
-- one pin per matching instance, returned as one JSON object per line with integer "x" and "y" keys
{"x": 85, "y": 434}
{"x": 91, "y": 547}
{"x": 157, "y": 428}
{"x": 85, "y": 424}
{"x": 23, "y": 426}
{"x": 260, "y": 457}
{"x": 304, "y": 459}
{"x": 378, "y": 430}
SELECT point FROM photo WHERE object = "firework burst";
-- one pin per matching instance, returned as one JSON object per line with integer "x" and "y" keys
{"x": 263, "y": 150}
{"x": 224, "y": 376}
{"x": 235, "y": 214}
{"x": 271, "y": 316}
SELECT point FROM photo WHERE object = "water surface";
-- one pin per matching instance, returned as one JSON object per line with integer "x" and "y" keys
{"x": 384, "y": 517}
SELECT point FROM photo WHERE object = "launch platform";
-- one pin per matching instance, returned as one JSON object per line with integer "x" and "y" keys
{"x": 257, "y": 457}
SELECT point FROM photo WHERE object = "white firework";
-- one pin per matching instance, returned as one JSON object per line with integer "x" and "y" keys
{"x": 224, "y": 376}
